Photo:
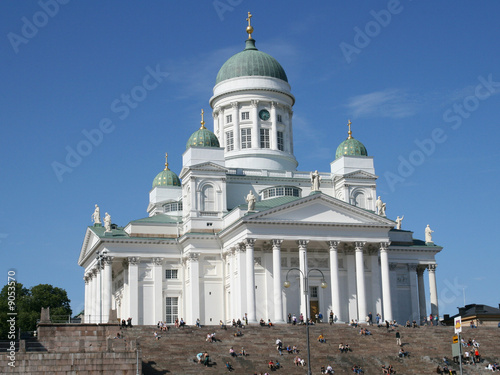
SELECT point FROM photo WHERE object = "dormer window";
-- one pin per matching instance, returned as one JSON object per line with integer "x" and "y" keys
{"x": 280, "y": 191}
{"x": 172, "y": 207}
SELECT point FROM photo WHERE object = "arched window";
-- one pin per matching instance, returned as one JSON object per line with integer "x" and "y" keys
{"x": 208, "y": 198}
{"x": 359, "y": 200}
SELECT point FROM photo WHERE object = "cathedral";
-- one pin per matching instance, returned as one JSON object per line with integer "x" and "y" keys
{"x": 240, "y": 232}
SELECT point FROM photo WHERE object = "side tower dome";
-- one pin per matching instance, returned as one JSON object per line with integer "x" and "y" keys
{"x": 351, "y": 146}
{"x": 166, "y": 177}
{"x": 252, "y": 110}
{"x": 202, "y": 137}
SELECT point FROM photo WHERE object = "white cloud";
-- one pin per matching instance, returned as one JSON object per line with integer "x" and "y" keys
{"x": 391, "y": 103}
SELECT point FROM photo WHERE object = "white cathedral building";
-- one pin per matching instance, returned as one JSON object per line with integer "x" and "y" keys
{"x": 223, "y": 236}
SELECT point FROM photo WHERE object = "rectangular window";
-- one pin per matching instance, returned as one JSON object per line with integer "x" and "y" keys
{"x": 314, "y": 292}
{"x": 171, "y": 274}
{"x": 246, "y": 138}
{"x": 264, "y": 138}
{"x": 229, "y": 141}
{"x": 172, "y": 309}
{"x": 279, "y": 118}
{"x": 245, "y": 115}
{"x": 229, "y": 118}
{"x": 281, "y": 143}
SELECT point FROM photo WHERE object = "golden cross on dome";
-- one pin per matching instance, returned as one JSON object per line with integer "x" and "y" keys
{"x": 166, "y": 161}
{"x": 249, "y": 27}
{"x": 202, "y": 121}
{"x": 349, "y": 132}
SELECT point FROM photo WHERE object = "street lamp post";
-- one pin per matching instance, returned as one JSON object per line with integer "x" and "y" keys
{"x": 286, "y": 284}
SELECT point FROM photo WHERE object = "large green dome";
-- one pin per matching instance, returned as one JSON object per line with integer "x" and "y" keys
{"x": 351, "y": 147}
{"x": 251, "y": 62}
{"x": 202, "y": 138}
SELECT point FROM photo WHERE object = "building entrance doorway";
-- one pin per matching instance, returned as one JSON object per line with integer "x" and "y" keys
{"x": 314, "y": 309}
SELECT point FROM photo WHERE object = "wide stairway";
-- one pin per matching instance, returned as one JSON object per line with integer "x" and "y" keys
{"x": 175, "y": 351}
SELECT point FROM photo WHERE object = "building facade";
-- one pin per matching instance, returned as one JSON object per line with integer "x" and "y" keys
{"x": 239, "y": 220}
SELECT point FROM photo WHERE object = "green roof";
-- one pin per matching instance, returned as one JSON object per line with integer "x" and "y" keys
{"x": 160, "y": 218}
{"x": 251, "y": 62}
{"x": 203, "y": 138}
{"x": 267, "y": 204}
{"x": 166, "y": 178}
{"x": 351, "y": 147}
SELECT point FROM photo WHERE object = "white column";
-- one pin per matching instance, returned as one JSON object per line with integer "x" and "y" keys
{"x": 386, "y": 282}
{"x": 274, "y": 129}
{"x": 360, "y": 281}
{"x": 351, "y": 286}
{"x": 194, "y": 286}
{"x": 250, "y": 273}
{"x": 106, "y": 288}
{"x": 255, "y": 124}
{"x": 98, "y": 288}
{"x": 218, "y": 130}
{"x": 412, "y": 270}
{"x": 334, "y": 279}
{"x": 231, "y": 256}
{"x": 95, "y": 297}
{"x": 236, "y": 127}
{"x": 433, "y": 290}
{"x": 86, "y": 310}
{"x": 304, "y": 305}
{"x": 376, "y": 287}
{"x": 133, "y": 279}
{"x": 158, "y": 289}
{"x": 278, "y": 300}
{"x": 421, "y": 294}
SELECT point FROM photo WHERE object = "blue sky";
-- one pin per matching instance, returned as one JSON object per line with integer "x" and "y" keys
{"x": 419, "y": 80}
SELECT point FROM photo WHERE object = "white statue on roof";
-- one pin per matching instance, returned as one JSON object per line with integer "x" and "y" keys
{"x": 428, "y": 233}
{"x": 380, "y": 207}
{"x": 107, "y": 222}
{"x": 96, "y": 216}
{"x": 251, "y": 201}
{"x": 398, "y": 221}
{"x": 315, "y": 181}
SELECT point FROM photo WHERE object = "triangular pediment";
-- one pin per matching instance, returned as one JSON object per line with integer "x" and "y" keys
{"x": 320, "y": 209}
{"x": 90, "y": 240}
{"x": 359, "y": 174}
{"x": 205, "y": 167}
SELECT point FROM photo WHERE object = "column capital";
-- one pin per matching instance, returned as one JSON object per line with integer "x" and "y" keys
{"x": 107, "y": 260}
{"x": 412, "y": 267}
{"x": 359, "y": 246}
{"x": 302, "y": 244}
{"x": 193, "y": 257}
{"x": 333, "y": 245}
{"x": 392, "y": 266}
{"x": 240, "y": 247}
{"x": 157, "y": 261}
{"x": 432, "y": 267}
{"x": 234, "y": 104}
{"x": 277, "y": 244}
{"x": 86, "y": 278}
{"x": 94, "y": 271}
{"x": 384, "y": 245}
{"x": 254, "y": 103}
{"x": 420, "y": 270}
{"x": 133, "y": 261}
{"x": 249, "y": 242}
{"x": 273, "y": 104}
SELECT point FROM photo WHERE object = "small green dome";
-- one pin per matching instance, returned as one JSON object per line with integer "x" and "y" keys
{"x": 351, "y": 147}
{"x": 166, "y": 178}
{"x": 202, "y": 138}
{"x": 251, "y": 62}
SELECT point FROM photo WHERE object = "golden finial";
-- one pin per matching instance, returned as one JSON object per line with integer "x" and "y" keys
{"x": 249, "y": 27}
{"x": 349, "y": 132}
{"x": 166, "y": 162}
{"x": 202, "y": 121}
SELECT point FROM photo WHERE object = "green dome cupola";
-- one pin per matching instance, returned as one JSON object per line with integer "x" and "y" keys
{"x": 251, "y": 62}
{"x": 203, "y": 137}
{"x": 351, "y": 146}
{"x": 166, "y": 177}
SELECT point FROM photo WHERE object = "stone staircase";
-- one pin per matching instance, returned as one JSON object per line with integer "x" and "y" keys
{"x": 175, "y": 351}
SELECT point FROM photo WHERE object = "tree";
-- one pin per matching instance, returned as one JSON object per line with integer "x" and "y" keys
{"x": 28, "y": 305}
